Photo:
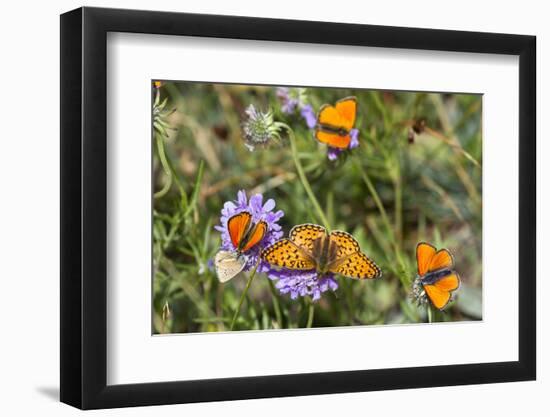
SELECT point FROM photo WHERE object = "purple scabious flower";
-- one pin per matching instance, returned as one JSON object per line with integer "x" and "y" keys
{"x": 288, "y": 102}
{"x": 309, "y": 116}
{"x": 333, "y": 153}
{"x": 259, "y": 211}
{"x": 293, "y": 99}
{"x": 302, "y": 283}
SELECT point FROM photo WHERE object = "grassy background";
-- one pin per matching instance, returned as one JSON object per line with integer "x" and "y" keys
{"x": 428, "y": 190}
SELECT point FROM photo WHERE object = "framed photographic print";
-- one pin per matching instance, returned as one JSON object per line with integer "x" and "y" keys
{"x": 257, "y": 208}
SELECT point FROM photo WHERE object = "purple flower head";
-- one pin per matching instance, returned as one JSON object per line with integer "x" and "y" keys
{"x": 303, "y": 283}
{"x": 259, "y": 211}
{"x": 309, "y": 116}
{"x": 333, "y": 153}
{"x": 293, "y": 99}
{"x": 288, "y": 103}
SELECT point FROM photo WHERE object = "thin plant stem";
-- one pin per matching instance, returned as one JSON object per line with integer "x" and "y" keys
{"x": 381, "y": 108}
{"x": 243, "y": 295}
{"x": 165, "y": 166}
{"x": 398, "y": 187}
{"x": 162, "y": 192}
{"x": 351, "y": 302}
{"x": 382, "y": 211}
{"x": 430, "y": 313}
{"x": 310, "y": 314}
{"x": 276, "y": 305}
{"x": 376, "y": 198}
{"x": 303, "y": 178}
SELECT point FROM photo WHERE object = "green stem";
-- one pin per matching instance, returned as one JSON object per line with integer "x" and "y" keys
{"x": 398, "y": 204}
{"x": 165, "y": 166}
{"x": 385, "y": 219}
{"x": 310, "y": 314}
{"x": 382, "y": 109}
{"x": 430, "y": 313}
{"x": 276, "y": 305}
{"x": 303, "y": 178}
{"x": 162, "y": 192}
{"x": 243, "y": 296}
{"x": 376, "y": 198}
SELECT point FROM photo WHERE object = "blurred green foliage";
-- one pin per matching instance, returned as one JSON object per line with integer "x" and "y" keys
{"x": 428, "y": 185}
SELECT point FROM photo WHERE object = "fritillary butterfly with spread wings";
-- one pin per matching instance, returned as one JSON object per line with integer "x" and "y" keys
{"x": 309, "y": 246}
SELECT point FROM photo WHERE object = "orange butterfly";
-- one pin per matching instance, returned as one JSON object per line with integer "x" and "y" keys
{"x": 334, "y": 123}
{"x": 436, "y": 274}
{"x": 309, "y": 246}
{"x": 244, "y": 236}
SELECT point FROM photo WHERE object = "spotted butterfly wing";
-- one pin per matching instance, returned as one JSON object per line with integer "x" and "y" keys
{"x": 346, "y": 243}
{"x": 358, "y": 266}
{"x": 304, "y": 235}
{"x": 350, "y": 261}
{"x": 287, "y": 254}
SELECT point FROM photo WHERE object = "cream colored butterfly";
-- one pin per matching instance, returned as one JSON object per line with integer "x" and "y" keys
{"x": 228, "y": 264}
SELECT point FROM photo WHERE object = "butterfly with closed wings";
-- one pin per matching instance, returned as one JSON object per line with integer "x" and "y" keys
{"x": 436, "y": 275}
{"x": 244, "y": 234}
{"x": 310, "y": 247}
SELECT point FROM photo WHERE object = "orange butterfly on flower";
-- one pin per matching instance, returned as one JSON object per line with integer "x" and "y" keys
{"x": 310, "y": 247}
{"x": 244, "y": 234}
{"x": 334, "y": 123}
{"x": 437, "y": 279}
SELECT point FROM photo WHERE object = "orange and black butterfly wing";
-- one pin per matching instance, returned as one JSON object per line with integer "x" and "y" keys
{"x": 340, "y": 116}
{"x": 237, "y": 227}
{"x": 357, "y": 265}
{"x": 329, "y": 116}
{"x": 332, "y": 139}
{"x": 440, "y": 292}
{"x": 350, "y": 261}
{"x": 449, "y": 282}
{"x": 256, "y": 235}
{"x": 328, "y": 123}
{"x": 424, "y": 254}
{"x": 429, "y": 259}
{"x": 304, "y": 235}
{"x": 438, "y": 297}
{"x": 332, "y": 120}
{"x": 442, "y": 259}
{"x": 286, "y": 254}
{"x": 347, "y": 109}
{"x": 345, "y": 242}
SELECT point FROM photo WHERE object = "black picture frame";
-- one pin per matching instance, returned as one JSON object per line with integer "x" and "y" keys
{"x": 84, "y": 207}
